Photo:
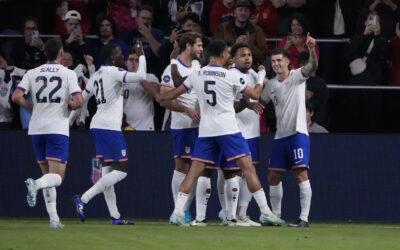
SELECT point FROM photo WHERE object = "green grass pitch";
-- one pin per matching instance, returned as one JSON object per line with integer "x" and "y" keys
{"x": 99, "y": 234}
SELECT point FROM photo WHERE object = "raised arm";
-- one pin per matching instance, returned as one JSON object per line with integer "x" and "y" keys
{"x": 140, "y": 74}
{"x": 312, "y": 63}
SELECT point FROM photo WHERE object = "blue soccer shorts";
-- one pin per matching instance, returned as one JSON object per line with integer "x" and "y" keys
{"x": 110, "y": 145}
{"x": 53, "y": 147}
{"x": 184, "y": 141}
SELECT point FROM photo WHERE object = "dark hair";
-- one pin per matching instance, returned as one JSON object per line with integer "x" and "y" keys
{"x": 112, "y": 22}
{"x": 131, "y": 51}
{"x": 189, "y": 16}
{"x": 280, "y": 51}
{"x": 108, "y": 51}
{"x": 52, "y": 47}
{"x": 237, "y": 46}
{"x": 216, "y": 48}
{"x": 303, "y": 57}
{"x": 147, "y": 8}
{"x": 302, "y": 20}
{"x": 187, "y": 38}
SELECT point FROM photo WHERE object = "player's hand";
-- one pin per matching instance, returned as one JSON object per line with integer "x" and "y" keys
{"x": 159, "y": 98}
{"x": 138, "y": 47}
{"x": 193, "y": 114}
{"x": 256, "y": 107}
{"x": 310, "y": 42}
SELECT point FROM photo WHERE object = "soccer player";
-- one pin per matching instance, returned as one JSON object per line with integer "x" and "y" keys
{"x": 291, "y": 145}
{"x": 236, "y": 190}
{"x": 216, "y": 89}
{"x": 185, "y": 115}
{"x": 106, "y": 85}
{"x": 54, "y": 90}
{"x": 138, "y": 101}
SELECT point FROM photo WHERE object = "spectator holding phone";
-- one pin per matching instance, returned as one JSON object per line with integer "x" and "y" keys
{"x": 27, "y": 53}
{"x": 73, "y": 40}
{"x": 389, "y": 11}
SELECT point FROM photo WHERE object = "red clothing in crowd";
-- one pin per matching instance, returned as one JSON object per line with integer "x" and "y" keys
{"x": 267, "y": 19}
{"x": 120, "y": 11}
{"x": 79, "y": 6}
{"x": 219, "y": 14}
{"x": 395, "y": 69}
{"x": 294, "y": 52}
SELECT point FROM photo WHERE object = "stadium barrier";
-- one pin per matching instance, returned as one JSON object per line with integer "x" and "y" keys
{"x": 354, "y": 177}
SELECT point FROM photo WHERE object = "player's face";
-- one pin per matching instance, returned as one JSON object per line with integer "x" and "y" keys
{"x": 296, "y": 27}
{"x": 243, "y": 58}
{"x": 105, "y": 29}
{"x": 132, "y": 63}
{"x": 71, "y": 25}
{"x": 197, "y": 49}
{"x": 280, "y": 64}
{"x": 67, "y": 60}
{"x": 118, "y": 58}
{"x": 188, "y": 25}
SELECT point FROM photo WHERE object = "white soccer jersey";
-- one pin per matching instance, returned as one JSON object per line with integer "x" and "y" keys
{"x": 5, "y": 108}
{"x": 216, "y": 90}
{"x": 181, "y": 120}
{"x": 51, "y": 86}
{"x": 288, "y": 97}
{"x": 138, "y": 105}
{"x": 248, "y": 120}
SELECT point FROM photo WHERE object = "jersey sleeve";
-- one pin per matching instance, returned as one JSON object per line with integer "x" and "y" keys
{"x": 89, "y": 86}
{"x": 297, "y": 76}
{"x": 189, "y": 81}
{"x": 25, "y": 84}
{"x": 152, "y": 78}
{"x": 266, "y": 92}
{"x": 73, "y": 86}
{"x": 118, "y": 74}
{"x": 166, "y": 78}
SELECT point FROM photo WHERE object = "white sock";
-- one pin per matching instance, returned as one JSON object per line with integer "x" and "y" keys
{"x": 261, "y": 200}
{"x": 48, "y": 181}
{"x": 203, "y": 191}
{"x": 176, "y": 181}
{"x": 221, "y": 190}
{"x": 110, "y": 196}
{"x": 275, "y": 196}
{"x": 305, "y": 199}
{"x": 232, "y": 195}
{"x": 190, "y": 197}
{"x": 50, "y": 198}
{"x": 105, "y": 181}
{"x": 244, "y": 199}
{"x": 181, "y": 200}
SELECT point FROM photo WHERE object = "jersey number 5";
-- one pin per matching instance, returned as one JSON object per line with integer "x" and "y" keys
{"x": 208, "y": 91}
{"x": 43, "y": 99}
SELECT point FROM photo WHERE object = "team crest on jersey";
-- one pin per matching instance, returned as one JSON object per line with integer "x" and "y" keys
{"x": 241, "y": 80}
{"x": 166, "y": 79}
{"x": 123, "y": 152}
{"x": 187, "y": 150}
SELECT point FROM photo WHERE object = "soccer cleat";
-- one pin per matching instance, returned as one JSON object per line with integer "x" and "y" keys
{"x": 247, "y": 222}
{"x": 56, "y": 224}
{"x": 188, "y": 217}
{"x": 32, "y": 192}
{"x": 178, "y": 220}
{"x": 299, "y": 223}
{"x": 79, "y": 207}
{"x": 121, "y": 221}
{"x": 230, "y": 223}
{"x": 270, "y": 220}
{"x": 196, "y": 223}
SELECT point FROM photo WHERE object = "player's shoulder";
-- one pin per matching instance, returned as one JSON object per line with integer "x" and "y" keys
{"x": 151, "y": 77}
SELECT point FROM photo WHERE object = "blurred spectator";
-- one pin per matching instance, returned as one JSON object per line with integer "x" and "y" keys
{"x": 138, "y": 103}
{"x": 286, "y": 9}
{"x": 395, "y": 56}
{"x": 265, "y": 16}
{"x": 295, "y": 41}
{"x": 240, "y": 29}
{"x": 125, "y": 13}
{"x": 221, "y": 13}
{"x": 67, "y": 60}
{"x": 151, "y": 38}
{"x": 317, "y": 94}
{"x": 177, "y": 9}
{"x": 106, "y": 30}
{"x": 73, "y": 40}
{"x": 388, "y": 10}
{"x": 80, "y": 6}
{"x": 6, "y": 115}
{"x": 312, "y": 125}
{"x": 27, "y": 53}
{"x": 367, "y": 53}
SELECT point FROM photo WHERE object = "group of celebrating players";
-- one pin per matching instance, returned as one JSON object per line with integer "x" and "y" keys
{"x": 214, "y": 124}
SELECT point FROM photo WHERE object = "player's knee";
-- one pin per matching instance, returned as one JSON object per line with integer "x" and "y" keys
{"x": 301, "y": 175}
{"x": 207, "y": 172}
{"x": 182, "y": 165}
{"x": 120, "y": 166}
{"x": 274, "y": 178}
{"x": 229, "y": 174}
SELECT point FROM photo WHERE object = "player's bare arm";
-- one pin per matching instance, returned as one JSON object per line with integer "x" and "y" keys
{"x": 254, "y": 93}
{"x": 19, "y": 98}
{"x": 76, "y": 102}
{"x": 312, "y": 64}
{"x": 152, "y": 88}
{"x": 176, "y": 76}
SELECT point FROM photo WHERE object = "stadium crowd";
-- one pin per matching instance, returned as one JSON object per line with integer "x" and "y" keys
{"x": 370, "y": 58}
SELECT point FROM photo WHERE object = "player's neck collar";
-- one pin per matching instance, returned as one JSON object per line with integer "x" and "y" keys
{"x": 214, "y": 65}
{"x": 244, "y": 71}
{"x": 52, "y": 62}
{"x": 183, "y": 64}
